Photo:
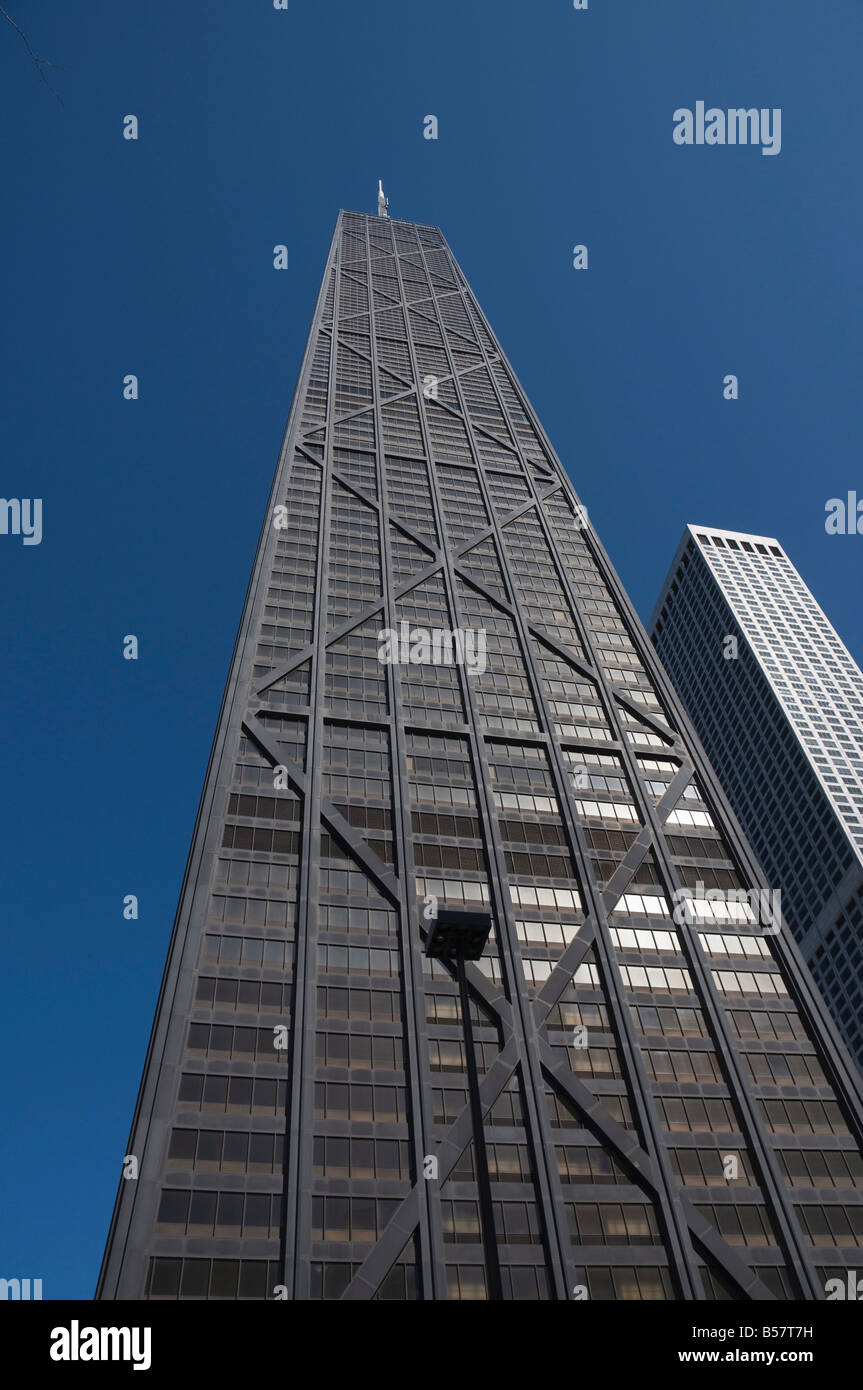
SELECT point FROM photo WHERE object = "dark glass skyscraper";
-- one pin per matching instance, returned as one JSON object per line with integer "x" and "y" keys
{"x": 442, "y": 699}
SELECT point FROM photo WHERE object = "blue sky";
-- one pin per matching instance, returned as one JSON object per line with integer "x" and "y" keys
{"x": 155, "y": 257}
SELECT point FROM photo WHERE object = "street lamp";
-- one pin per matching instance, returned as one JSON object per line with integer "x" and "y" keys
{"x": 457, "y": 935}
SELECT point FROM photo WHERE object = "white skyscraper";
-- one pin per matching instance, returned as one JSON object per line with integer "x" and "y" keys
{"x": 777, "y": 701}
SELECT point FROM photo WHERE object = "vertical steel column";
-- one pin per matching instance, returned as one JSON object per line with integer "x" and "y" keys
{"x": 483, "y": 1182}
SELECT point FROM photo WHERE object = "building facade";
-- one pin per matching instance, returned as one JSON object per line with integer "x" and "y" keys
{"x": 441, "y": 699}
{"x": 779, "y": 709}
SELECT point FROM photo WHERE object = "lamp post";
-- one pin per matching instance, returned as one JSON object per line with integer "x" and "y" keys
{"x": 458, "y": 935}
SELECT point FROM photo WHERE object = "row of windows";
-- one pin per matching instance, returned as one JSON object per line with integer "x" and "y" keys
{"x": 539, "y": 865}
{"x": 366, "y": 817}
{"x": 739, "y": 1224}
{"x": 729, "y": 944}
{"x": 452, "y": 769}
{"x": 258, "y": 774}
{"x": 431, "y": 856}
{"x": 248, "y": 951}
{"x": 656, "y": 977}
{"x": 565, "y": 899}
{"x": 367, "y": 690}
{"x": 273, "y": 655}
{"x": 346, "y": 883}
{"x": 362, "y": 920}
{"x": 536, "y": 972}
{"x": 259, "y": 996}
{"x": 546, "y": 933}
{"x": 515, "y": 770}
{"x": 636, "y": 737}
{"x": 222, "y": 1040}
{"x": 768, "y": 1025}
{"x": 368, "y": 787}
{"x": 681, "y": 1066}
{"x": 515, "y": 1223}
{"x": 384, "y": 1005}
{"x": 351, "y": 1218}
{"x": 252, "y": 1214}
{"x": 458, "y": 890}
{"x": 706, "y": 1167}
{"x": 448, "y": 1105}
{"x": 341, "y": 1157}
{"x": 803, "y": 1117}
{"x": 337, "y": 863}
{"x": 713, "y": 1115}
{"x": 562, "y": 1117}
{"x": 264, "y": 807}
{"x": 629, "y": 1224}
{"x": 446, "y": 1008}
{"x": 740, "y": 982}
{"x": 704, "y": 911}
{"x": 358, "y": 960}
{"x": 643, "y": 939}
{"x": 336, "y": 1100}
{"x": 606, "y": 810}
{"x": 226, "y": 1151}
{"x": 449, "y": 1055}
{"x": 642, "y": 905}
{"x": 212, "y": 1279}
{"x": 361, "y": 1051}
{"x": 259, "y": 840}
{"x": 822, "y": 1168}
{"x": 669, "y": 1023}
{"x": 245, "y": 1095}
{"x": 783, "y": 1069}
{"x": 254, "y": 912}
{"x": 442, "y": 795}
{"x": 532, "y": 832}
{"x": 521, "y": 801}
{"x": 579, "y": 1011}
{"x": 363, "y": 753}
{"x": 625, "y": 1284}
{"x": 588, "y": 1165}
{"x": 592, "y": 1061}
{"x": 683, "y": 816}
{"x": 241, "y": 872}
{"x": 696, "y": 847}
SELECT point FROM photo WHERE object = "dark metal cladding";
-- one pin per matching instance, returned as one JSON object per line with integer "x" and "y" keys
{"x": 441, "y": 697}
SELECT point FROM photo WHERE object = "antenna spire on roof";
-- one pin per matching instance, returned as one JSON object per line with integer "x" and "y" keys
{"x": 383, "y": 202}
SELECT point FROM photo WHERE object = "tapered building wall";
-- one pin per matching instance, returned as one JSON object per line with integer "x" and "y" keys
{"x": 668, "y": 1112}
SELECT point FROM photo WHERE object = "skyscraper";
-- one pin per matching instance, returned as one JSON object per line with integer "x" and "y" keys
{"x": 441, "y": 701}
{"x": 777, "y": 701}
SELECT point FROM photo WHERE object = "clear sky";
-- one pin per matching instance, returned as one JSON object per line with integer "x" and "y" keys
{"x": 155, "y": 257}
